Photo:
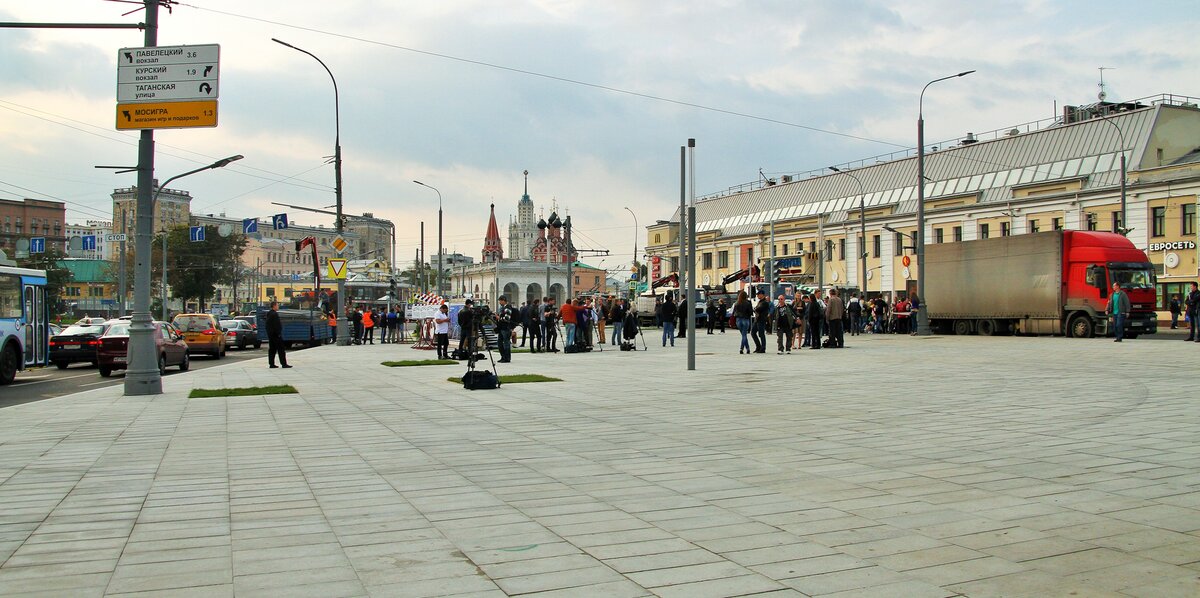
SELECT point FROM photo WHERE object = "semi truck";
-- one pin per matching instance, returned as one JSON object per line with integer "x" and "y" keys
{"x": 1055, "y": 282}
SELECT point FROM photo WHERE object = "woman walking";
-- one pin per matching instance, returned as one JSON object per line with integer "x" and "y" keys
{"x": 742, "y": 312}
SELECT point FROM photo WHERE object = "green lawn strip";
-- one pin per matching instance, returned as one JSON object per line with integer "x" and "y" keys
{"x": 516, "y": 379}
{"x": 205, "y": 393}
{"x": 414, "y": 362}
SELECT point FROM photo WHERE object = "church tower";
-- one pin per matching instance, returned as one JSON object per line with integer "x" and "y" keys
{"x": 493, "y": 251}
{"x": 523, "y": 231}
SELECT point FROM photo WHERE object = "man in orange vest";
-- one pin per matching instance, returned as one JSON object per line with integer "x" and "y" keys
{"x": 369, "y": 326}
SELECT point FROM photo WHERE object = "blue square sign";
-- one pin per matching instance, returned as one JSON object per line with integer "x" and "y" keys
{"x": 37, "y": 245}
{"x": 279, "y": 221}
{"x": 250, "y": 225}
{"x": 196, "y": 234}
{"x": 89, "y": 242}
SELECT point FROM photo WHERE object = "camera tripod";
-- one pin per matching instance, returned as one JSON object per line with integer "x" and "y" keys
{"x": 473, "y": 354}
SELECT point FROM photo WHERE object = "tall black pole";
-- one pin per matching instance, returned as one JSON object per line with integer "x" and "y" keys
{"x": 143, "y": 376}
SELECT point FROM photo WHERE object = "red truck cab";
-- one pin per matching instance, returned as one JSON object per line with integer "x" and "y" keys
{"x": 1093, "y": 262}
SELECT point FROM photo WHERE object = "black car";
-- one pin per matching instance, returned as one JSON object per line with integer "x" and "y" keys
{"x": 78, "y": 342}
{"x": 240, "y": 334}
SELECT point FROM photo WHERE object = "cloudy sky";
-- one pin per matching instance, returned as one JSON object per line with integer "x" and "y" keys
{"x": 594, "y": 98}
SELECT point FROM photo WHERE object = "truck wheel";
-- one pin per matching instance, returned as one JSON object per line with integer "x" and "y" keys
{"x": 1081, "y": 326}
{"x": 962, "y": 327}
{"x": 986, "y": 327}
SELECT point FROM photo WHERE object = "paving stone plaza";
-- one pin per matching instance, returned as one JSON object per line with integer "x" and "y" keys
{"x": 897, "y": 467}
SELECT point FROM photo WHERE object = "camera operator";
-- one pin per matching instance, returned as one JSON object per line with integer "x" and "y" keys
{"x": 506, "y": 318}
{"x": 466, "y": 325}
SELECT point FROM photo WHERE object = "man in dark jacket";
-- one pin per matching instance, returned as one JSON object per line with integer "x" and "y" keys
{"x": 523, "y": 320}
{"x": 855, "y": 310}
{"x": 782, "y": 320}
{"x": 1192, "y": 307}
{"x": 1118, "y": 308}
{"x": 616, "y": 315}
{"x": 834, "y": 313}
{"x": 762, "y": 311}
{"x": 506, "y": 317}
{"x": 275, "y": 344}
{"x": 667, "y": 312}
{"x": 814, "y": 313}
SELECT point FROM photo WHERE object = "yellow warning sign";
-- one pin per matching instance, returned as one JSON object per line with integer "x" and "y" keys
{"x": 167, "y": 115}
{"x": 337, "y": 268}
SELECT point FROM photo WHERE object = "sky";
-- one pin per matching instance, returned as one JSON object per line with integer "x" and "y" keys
{"x": 593, "y": 98}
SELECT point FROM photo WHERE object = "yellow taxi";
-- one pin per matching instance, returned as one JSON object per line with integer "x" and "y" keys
{"x": 202, "y": 333}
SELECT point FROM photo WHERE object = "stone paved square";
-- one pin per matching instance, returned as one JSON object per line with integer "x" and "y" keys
{"x": 941, "y": 466}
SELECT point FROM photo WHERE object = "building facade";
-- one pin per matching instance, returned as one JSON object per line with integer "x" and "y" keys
{"x": 376, "y": 237}
{"x": 32, "y": 218}
{"x": 96, "y": 228}
{"x": 1062, "y": 173}
{"x": 172, "y": 209}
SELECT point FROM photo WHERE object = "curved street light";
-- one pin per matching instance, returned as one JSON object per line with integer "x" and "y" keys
{"x": 862, "y": 224}
{"x": 344, "y": 339}
{"x": 635, "y": 235}
{"x": 923, "y": 314}
{"x": 441, "y": 250}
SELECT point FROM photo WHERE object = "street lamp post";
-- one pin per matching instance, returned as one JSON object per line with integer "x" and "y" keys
{"x": 635, "y": 236}
{"x": 343, "y": 339}
{"x": 441, "y": 249}
{"x": 222, "y": 163}
{"x": 922, "y": 315}
{"x": 1123, "y": 229}
{"x": 862, "y": 225}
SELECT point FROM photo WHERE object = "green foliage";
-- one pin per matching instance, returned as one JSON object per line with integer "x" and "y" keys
{"x": 56, "y": 276}
{"x": 416, "y": 362}
{"x": 204, "y": 393}
{"x": 195, "y": 269}
{"x": 516, "y": 379}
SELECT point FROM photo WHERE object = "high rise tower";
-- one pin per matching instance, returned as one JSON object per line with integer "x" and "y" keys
{"x": 522, "y": 231}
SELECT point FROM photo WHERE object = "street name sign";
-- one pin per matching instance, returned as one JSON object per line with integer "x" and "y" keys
{"x": 168, "y": 87}
{"x": 167, "y": 115}
{"x": 168, "y": 73}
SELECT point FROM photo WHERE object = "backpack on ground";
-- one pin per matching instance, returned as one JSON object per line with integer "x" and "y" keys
{"x": 480, "y": 380}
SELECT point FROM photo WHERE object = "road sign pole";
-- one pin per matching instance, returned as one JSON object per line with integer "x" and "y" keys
{"x": 143, "y": 377}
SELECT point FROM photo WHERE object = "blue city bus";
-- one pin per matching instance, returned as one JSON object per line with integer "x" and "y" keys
{"x": 24, "y": 321}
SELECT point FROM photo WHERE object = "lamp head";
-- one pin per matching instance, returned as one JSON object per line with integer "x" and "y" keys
{"x": 964, "y": 73}
{"x": 835, "y": 169}
{"x": 281, "y": 42}
{"x": 222, "y": 163}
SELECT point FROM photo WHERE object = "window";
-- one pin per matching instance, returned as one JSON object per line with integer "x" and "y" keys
{"x": 876, "y": 245}
{"x": 577, "y": 282}
{"x": 958, "y": 234}
{"x": 1033, "y": 226}
{"x": 1091, "y": 221}
{"x": 1116, "y": 222}
{"x": 95, "y": 292}
{"x": 706, "y": 260}
{"x": 722, "y": 259}
{"x": 1189, "y": 218}
{"x": 1158, "y": 221}
{"x": 10, "y": 296}
{"x": 938, "y": 236}
{"x": 1057, "y": 223}
{"x": 657, "y": 238}
{"x": 899, "y": 242}
{"x": 1005, "y": 229}
{"x": 983, "y": 230}
{"x": 829, "y": 250}
{"x": 842, "y": 248}
{"x": 270, "y": 291}
{"x": 785, "y": 249}
{"x": 71, "y": 291}
{"x": 812, "y": 246}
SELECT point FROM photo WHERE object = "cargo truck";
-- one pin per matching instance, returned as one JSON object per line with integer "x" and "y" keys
{"x": 1055, "y": 282}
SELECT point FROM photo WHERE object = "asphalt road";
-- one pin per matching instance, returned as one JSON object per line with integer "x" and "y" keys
{"x": 47, "y": 383}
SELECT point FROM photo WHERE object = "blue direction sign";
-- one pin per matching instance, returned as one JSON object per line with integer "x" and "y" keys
{"x": 249, "y": 225}
{"x": 89, "y": 242}
{"x": 37, "y": 245}
{"x": 279, "y": 221}
{"x": 196, "y": 234}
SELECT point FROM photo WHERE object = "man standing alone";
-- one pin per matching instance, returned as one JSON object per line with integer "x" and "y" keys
{"x": 1118, "y": 308}
{"x": 1192, "y": 307}
{"x": 275, "y": 344}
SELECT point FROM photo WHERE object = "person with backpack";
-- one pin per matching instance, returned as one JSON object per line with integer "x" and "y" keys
{"x": 855, "y": 309}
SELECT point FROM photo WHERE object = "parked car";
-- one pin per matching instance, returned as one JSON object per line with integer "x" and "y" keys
{"x": 78, "y": 342}
{"x": 55, "y": 329}
{"x": 114, "y": 347}
{"x": 202, "y": 333}
{"x": 240, "y": 333}
{"x": 251, "y": 320}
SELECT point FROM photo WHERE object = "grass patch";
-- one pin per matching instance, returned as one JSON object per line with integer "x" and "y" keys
{"x": 205, "y": 393}
{"x": 516, "y": 379}
{"x": 415, "y": 362}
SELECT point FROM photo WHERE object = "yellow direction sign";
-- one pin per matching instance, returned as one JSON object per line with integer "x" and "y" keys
{"x": 167, "y": 115}
{"x": 337, "y": 268}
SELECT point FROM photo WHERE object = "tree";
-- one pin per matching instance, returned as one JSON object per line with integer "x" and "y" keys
{"x": 57, "y": 275}
{"x": 194, "y": 269}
